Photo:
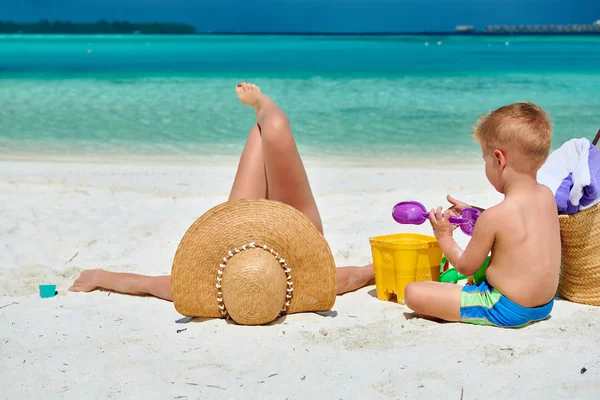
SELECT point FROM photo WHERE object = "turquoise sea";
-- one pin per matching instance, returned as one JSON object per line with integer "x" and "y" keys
{"x": 375, "y": 97}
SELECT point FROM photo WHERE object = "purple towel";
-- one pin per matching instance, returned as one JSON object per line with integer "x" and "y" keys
{"x": 562, "y": 197}
{"x": 591, "y": 193}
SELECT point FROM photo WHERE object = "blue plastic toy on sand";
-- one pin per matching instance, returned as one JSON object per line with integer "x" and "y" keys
{"x": 47, "y": 291}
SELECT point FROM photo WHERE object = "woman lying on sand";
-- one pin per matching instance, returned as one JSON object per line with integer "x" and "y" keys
{"x": 270, "y": 168}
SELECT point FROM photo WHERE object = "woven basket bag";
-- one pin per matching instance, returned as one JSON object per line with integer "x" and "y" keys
{"x": 580, "y": 264}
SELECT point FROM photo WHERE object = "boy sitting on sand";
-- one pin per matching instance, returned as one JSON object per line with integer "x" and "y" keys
{"x": 522, "y": 232}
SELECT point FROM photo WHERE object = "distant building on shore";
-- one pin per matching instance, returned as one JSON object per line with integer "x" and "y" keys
{"x": 465, "y": 28}
{"x": 533, "y": 29}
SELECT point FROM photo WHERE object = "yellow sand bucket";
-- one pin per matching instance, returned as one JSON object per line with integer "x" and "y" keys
{"x": 402, "y": 258}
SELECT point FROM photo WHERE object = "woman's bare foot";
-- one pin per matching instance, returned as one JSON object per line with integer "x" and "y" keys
{"x": 88, "y": 281}
{"x": 249, "y": 94}
{"x": 268, "y": 115}
{"x": 350, "y": 279}
{"x": 264, "y": 107}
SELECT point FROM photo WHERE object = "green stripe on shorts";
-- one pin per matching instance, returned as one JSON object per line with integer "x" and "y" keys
{"x": 478, "y": 321}
{"x": 480, "y": 299}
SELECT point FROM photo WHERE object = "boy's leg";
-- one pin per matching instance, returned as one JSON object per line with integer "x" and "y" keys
{"x": 434, "y": 299}
{"x": 89, "y": 280}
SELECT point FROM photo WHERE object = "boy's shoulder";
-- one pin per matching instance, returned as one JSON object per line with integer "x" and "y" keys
{"x": 496, "y": 217}
{"x": 539, "y": 195}
{"x": 494, "y": 211}
{"x": 545, "y": 193}
{"x": 490, "y": 219}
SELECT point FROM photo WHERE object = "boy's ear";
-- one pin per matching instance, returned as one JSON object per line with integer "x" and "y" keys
{"x": 500, "y": 158}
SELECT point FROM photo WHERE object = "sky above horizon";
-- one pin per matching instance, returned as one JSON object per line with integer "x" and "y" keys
{"x": 311, "y": 15}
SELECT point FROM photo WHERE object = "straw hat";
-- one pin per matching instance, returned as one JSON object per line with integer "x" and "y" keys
{"x": 252, "y": 260}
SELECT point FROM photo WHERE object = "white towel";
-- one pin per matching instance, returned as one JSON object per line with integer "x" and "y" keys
{"x": 571, "y": 157}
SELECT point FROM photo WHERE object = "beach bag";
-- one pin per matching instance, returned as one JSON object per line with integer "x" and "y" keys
{"x": 580, "y": 263}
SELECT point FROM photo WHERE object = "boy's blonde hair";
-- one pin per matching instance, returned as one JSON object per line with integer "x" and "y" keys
{"x": 523, "y": 128}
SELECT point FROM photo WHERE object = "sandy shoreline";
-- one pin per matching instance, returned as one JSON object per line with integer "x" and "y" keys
{"x": 59, "y": 218}
{"x": 459, "y": 158}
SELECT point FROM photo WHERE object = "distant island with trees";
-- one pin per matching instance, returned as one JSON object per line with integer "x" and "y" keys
{"x": 100, "y": 27}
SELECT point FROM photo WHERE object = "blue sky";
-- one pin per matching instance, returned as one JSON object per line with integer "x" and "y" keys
{"x": 311, "y": 15}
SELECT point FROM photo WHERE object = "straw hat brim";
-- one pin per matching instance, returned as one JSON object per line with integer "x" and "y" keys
{"x": 236, "y": 223}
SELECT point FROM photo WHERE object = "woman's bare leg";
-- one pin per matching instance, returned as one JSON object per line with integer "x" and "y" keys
{"x": 286, "y": 177}
{"x": 157, "y": 286}
{"x": 285, "y": 173}
{"x": 350, "y": 279}
{"x": 250, "y": 180}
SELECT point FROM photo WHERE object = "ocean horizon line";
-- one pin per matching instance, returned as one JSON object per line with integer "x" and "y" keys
{"x": 283, "y": 33}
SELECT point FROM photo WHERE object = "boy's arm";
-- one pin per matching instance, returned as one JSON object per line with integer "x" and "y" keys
{"x": 467, "y": 262}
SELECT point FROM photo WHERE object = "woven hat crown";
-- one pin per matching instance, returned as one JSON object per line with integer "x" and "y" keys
{"x": 254, "y": 287}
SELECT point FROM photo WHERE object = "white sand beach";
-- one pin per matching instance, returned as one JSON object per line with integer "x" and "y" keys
{"x": 59, "y": 218}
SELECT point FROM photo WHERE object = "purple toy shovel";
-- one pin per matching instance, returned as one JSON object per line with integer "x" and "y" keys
{"x": 413, "y": 212}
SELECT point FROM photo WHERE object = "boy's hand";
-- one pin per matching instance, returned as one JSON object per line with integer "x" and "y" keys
{"x": 457, "y": 205}
{"x": 441, "y": 224}
{"x": 456, "y": 208}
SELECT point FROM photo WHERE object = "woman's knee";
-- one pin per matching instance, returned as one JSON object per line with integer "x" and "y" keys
{"x": 275, "y": 123}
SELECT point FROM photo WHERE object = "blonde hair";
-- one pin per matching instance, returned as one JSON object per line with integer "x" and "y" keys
{"x": 519, "y": 127}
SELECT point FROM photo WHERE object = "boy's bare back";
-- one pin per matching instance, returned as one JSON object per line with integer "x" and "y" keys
{"x": 526, "y": 253}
